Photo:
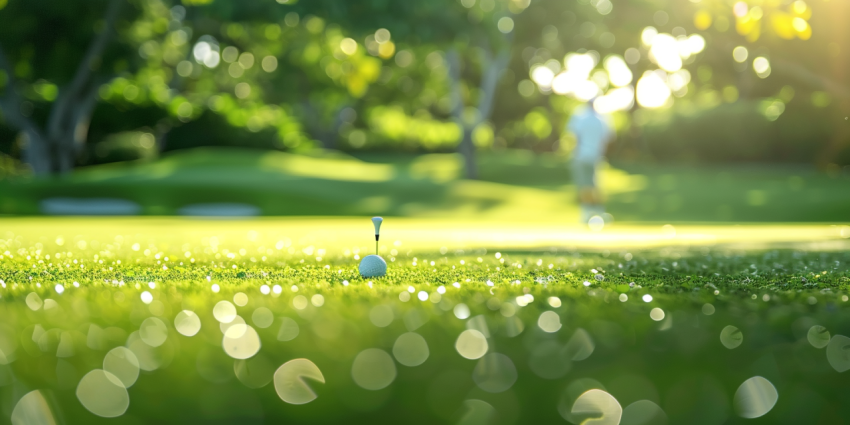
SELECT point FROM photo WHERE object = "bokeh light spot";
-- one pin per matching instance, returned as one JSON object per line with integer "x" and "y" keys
{"x": 731, "y": 337}
{"x": 494, "y": 373}
{"x": 471, "y": 344}
{"x": 224, "y": 312}
{"x": 755, "y": 398}
{"x": 373, "y": 369}
{"x": 103, "y": 394}
{"x": 411, "y": 349}
{"x": 290, "y": 384}
{"x": 122, "y": 363}
{"x": 549, "y": 321}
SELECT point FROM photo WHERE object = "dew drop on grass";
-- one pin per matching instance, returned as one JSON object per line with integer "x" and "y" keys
{"x": 103, "y": 394}
{"x": 494, "y": 373}
{"x": 122, "y": 363}
{"x": 33, "y": 409}
{"x": 373, "y": 369}
{"x": 755, "y": 398}
{"x": 471, "y": 344}
{"x": 411, "y": 349}
{"x": 291, "y": 381}
{"x": 818, "y": 336}
{"x": 731, "y": 337}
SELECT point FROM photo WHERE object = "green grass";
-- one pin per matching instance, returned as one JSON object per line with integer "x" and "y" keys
{"x": 772, "y": 282}
{"x": 512, "y": 185}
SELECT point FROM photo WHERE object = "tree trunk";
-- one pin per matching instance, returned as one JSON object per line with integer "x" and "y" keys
{"x": 64, "y": 154}
{"x": 467, "y": 149}
{"x": 35, "y": 152}
{"x": 55, "y": 149}
{"x": 492, "y": 70}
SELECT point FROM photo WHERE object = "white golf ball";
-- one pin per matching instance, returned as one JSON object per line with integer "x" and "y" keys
{"x": 373, "y": 266}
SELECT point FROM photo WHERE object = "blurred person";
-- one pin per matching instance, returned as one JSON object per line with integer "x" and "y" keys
{"x": 593, "y": 132}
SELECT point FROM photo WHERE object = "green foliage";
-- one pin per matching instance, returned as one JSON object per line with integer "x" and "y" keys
{"x": 739, "y": 132}
{"x": 329, "y": 72}
{"x": 391, "y": 124}
{"x": 537, "y": 123}
{"x": 127, "y": 146}
{"x": 11, "y": 167}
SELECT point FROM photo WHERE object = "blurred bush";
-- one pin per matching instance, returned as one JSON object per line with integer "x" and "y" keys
{"x": 125, "y": 146}
{"x": 743, "y": 131}
{"x": 391, "y": 127}
{"x": 211, "y": 129}
{"x": 11, "y": 167}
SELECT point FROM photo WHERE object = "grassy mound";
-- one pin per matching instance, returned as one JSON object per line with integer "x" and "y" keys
{"x": 512, "y": 185}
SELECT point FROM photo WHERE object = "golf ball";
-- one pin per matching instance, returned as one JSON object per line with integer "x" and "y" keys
{"x": 373, "y": 266}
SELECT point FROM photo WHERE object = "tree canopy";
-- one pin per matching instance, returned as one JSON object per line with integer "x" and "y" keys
{"x": 413, "y": 75}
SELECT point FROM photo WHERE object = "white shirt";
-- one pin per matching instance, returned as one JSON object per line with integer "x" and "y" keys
{"x": 592, "y": 132}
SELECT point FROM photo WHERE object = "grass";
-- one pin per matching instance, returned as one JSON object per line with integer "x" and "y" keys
{"x": 772, "y": 282}
{"x": 513, "y": 185}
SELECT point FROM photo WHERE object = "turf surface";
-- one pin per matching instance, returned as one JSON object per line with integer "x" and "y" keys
{"x": 513, "y": 185}
{"x": 639, "y": 311}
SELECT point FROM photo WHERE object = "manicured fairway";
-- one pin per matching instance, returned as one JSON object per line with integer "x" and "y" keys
{"x": 513, "y": 185}
{"x": 180, "y": 321}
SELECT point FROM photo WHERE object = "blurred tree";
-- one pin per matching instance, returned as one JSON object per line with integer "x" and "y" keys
{"x": 472, "y": 33}
{"x": 703, "y": 55}
{"x": 434, "y": 75}
{"x": 46, "y": 41}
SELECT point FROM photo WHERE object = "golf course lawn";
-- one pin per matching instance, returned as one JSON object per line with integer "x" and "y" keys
{"x": 513, "y": 185}
{"x": 175, "y": 320}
